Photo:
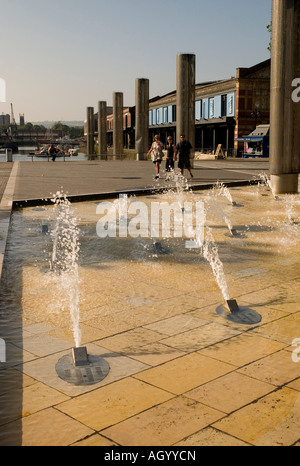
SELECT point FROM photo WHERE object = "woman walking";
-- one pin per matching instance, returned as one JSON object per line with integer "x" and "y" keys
{"x": 157, "y": 154}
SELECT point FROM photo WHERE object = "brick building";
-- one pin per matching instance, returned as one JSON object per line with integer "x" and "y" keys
{"x": 252, "y": 99}
{"x": 225, "y": 110}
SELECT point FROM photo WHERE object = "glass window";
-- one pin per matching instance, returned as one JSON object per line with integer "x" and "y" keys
{"x": 154, "y": 117}
{"x": 165, "y": 115}
{"x": 230, "y": 104}
{"x": 198, "y": 109}
{"x": 150, "y": 118}
{"x": 170, "y": 114}
{"x": 224, "y": 105}
{"x": 204, "y": 109}
{"x": 211, "y": 108}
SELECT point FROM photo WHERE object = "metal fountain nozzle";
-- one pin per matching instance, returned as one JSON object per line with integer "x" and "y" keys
{"x": 80, "y": 356}
{"x": 233, "y": 306}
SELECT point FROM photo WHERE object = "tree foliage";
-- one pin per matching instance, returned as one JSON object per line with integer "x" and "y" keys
{"x": 72, "y": 132}
{"x": 269, "y": 28}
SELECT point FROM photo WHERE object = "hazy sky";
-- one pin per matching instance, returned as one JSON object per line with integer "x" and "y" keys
{"x": 60, "y": 56}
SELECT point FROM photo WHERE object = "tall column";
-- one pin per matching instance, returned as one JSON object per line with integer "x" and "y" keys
{"x": 186, "y": 97}
{"x": 118, "y": 123}
{"x": 102, "y": 129}
{"x": 90, "y": 131}
{"x": 141, "y": 118}
{"x": 285, "y": 108}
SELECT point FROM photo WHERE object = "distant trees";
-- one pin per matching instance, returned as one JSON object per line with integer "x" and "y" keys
{"x": 59, "y": 126}
{"x": 73, "y": 132}
{"x": 31, "y": 127}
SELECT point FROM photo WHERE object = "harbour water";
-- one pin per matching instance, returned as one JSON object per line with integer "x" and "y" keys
{"x": 23, "y": 155}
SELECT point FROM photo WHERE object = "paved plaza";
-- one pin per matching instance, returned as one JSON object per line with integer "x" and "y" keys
{"x": 183, "y": 372}
{"x": 37, "y": 180}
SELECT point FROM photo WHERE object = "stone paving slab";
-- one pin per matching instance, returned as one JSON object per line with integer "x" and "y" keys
{"x": 164, "y": 424}
{"x": 42, "y": 427}
{"x": 97, "y": 408}
{"x": 256, "y": 425}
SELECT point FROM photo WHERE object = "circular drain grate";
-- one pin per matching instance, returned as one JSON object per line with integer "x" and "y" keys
{"x": 94, "y": 373}
{"x": 244, "y": 316}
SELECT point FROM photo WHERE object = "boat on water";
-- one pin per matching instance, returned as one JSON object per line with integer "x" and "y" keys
{"x": 73, "y": 152}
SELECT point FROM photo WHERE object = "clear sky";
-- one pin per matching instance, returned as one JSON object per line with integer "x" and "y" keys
{"x": 60, "y": 56}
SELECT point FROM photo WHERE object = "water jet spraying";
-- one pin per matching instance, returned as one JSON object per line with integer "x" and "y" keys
{"x": 79, "y": 368}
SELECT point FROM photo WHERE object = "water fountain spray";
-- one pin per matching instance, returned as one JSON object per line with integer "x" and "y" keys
{"x": 64, "y": 263}
{"x": 211, "y": 254}
{"x": 221, "y": 190}
{"x": 267, "y": 182}
{"x": 78, "y": 368}
{"x": 216, "y": 210}
{"x": 239, "y": 314}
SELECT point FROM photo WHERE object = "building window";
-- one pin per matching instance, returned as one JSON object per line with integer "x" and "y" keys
{"x": 154, "y": 117}
{"x": 211, "y": 108}
{"x": 204, "y": 110}
{"x": 165, "y": 115}
{"x": 224, "y": 105}
{"x": 230, "y": 105}
{"x": 174, "y": 108}
{"x": 170, "y": 114}
{"x": 158, "y": 116}
{"x": 198, "y": 110}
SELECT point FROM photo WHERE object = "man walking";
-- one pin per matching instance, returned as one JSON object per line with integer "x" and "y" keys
{"x": 184, "y": 149}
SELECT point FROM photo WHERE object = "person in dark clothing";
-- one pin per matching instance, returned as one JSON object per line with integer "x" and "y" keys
{"x": 184, "y": 149}
{"x": 171, "y": 156}
{"x": 53, "y": 151}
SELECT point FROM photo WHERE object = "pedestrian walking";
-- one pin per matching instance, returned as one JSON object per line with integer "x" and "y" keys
{"x": 157, "y": 154}
{"x": 171, "y": 156}
{"x": 184, "y": 149}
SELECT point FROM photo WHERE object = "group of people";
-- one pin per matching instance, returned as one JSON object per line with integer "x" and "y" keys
{"x": 182, "y": 149}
